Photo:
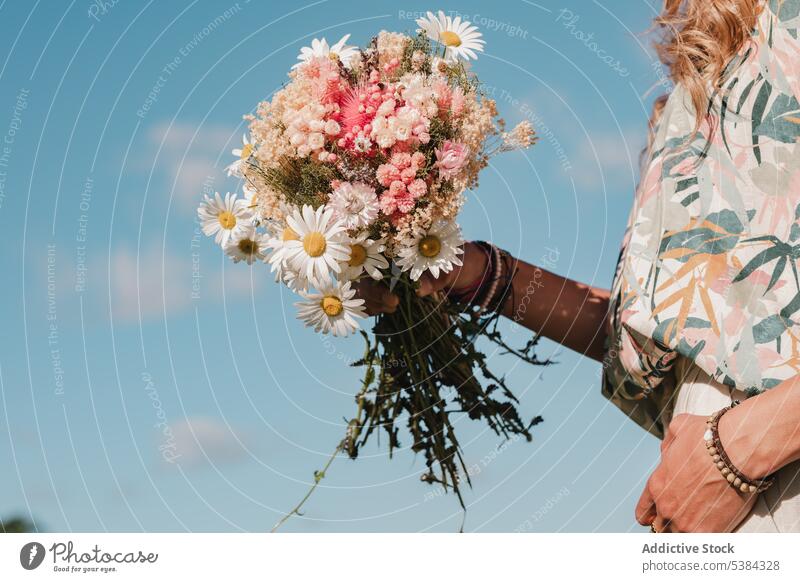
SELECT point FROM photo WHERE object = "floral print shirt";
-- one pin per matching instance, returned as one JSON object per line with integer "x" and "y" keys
{"x": 709, "y": 262}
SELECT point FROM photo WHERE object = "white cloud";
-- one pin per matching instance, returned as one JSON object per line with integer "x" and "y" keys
{"x": 590, "y": 156}
{"x": 163, "y": 281}
{"x": 608, "y": 157}
{"x": 200, "y": 440}
{"x": 194, "y": 159}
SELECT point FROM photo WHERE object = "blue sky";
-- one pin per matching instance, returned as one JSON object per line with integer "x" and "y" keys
{"x": 119, "y": 320}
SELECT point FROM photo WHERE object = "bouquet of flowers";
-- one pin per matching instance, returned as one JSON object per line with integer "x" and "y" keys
{"x": 356, "y": 169}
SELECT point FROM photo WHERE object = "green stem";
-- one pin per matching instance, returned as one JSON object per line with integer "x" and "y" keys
{"x": 320, "y": 475}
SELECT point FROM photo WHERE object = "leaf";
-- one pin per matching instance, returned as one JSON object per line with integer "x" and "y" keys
{"x": 686, "y": 297}
{"x": 700, "y": 240}
{"x": 778, "y": 124}
{"x": 744, "y": 95}
{"x": 770, "y": 328}
{"x": 759, "y": 107}
{"x": 791, "y": 307}
{"x": 690, "y": 265}
{"x": 709, "y": 307}
{"x": 785, "y": 9}
{"x": 758, "y": 261}
{"x": 681, "y": 185}
{"x": 690, "y": 198}
{"x": 670, "y": 301}
{"x": 723, "y": 111}
{"x": 777, "y": 272}
{"x": 728, "y": 220}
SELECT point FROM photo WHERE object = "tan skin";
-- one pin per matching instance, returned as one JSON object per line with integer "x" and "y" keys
{"x": 686, "y": 492}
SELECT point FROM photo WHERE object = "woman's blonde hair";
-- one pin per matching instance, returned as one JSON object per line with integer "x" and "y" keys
{"x": 696, "y": 41}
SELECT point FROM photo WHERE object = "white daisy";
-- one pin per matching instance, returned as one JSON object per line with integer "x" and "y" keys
{"x": 280, "y": 234}
{"x": 249, "y": 246}
{"x": 320, "y": 48}
{"x": 224, "y": 218}
{"x": 459, "y": 38}
{"x": 366, "y": 255}
{"x": 355, "y": 204}
{"x": 235, "y": 169}
{"x": 332, "y": 310}
{"x": 295, "y": 281}
{"x": 320, "y": 246}
{"x": 434, "y": 250}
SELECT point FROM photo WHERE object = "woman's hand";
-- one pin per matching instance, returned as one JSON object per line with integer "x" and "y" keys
{"x": 687, "y": 492}
{"x": 566, "y": 311}
{"x": 379, "y": 299}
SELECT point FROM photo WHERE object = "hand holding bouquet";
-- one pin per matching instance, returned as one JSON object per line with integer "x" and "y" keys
{"x": 357, "y": 169}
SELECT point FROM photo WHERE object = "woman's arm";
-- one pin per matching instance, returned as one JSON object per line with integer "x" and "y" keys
{"x": 687, "y": 493}
{"x": 566, "y": 311}
{"x": 571, "y": 313}
{"x": 762, "y": 434}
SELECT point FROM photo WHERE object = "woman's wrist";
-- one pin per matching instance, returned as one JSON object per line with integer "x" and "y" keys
{"x": 762, "y": 434}
{"x": 753, "y": 458}
{"x": 473, "y": 270}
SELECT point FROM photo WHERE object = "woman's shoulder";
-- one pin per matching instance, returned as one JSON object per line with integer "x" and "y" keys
{"x": 756, "y": 106}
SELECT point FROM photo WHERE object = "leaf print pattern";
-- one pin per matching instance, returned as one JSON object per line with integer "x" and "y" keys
{"x": 708, "y": 268}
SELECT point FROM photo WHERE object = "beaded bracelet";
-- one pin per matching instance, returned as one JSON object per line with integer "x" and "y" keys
{"x": 477, "y": 295}
{"x": 489, "y": 293}
{"x": 497, "y": 273}
{"x": 733, "y": 475}
{"x": 506, "y": 281}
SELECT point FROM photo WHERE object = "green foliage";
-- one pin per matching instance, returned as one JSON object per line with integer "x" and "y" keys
{"x": 459, "y": 76}
{"x": 300, "y": 180}
{"x": 16, "y": 525}
{"x": 420, "y": 43}
{"x": 422, "y": 367}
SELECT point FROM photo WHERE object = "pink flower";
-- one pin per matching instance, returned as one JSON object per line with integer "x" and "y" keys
{"x": 458, "y": 102}
{"x": 450, "y": 158}
{"x": 386, "y": 174}
{"x": 401, "y": 160}
{"x": 444, "y": 95}
{"x": 402, "y": 169}
{"x": 397, "y": 188}
{"x": 418, "y": 188}
{"x": 405, "y": 203}
{"x": 408, "y": 175}
{"x": 399, "y": 202}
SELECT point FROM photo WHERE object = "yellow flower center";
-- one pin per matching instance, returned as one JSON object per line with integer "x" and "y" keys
{"x": 358, "y": 254}
{"x": 333, "y": 56}
{"x": 314, "y": 244}
{"x": 248, "y": 246}
{"x": 430, "y": 246}
{"x": 289, "y": 234}
{"x": 247, "y": 149}
{"x": 227, "y": 219}
{"x": 450, "y": 38}
{"x": 332, "y": 306}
